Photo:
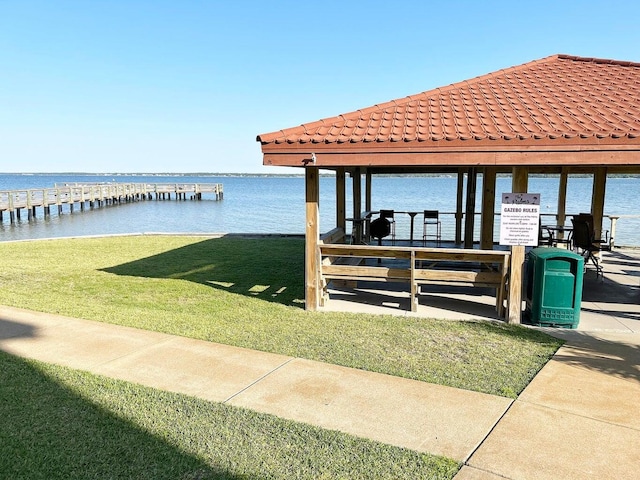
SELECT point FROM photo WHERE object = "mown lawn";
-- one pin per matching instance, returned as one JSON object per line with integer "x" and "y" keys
{"x": 248, "y": 292}
{"x": 59, "y": 423}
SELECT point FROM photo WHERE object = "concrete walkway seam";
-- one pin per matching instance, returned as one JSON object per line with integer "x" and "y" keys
{"x": 240, "y": 392}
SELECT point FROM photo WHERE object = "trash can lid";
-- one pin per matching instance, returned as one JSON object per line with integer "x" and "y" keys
{"x": 554, "y": 252}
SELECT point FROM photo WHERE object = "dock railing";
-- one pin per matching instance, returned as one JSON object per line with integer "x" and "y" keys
{"x": 97, "y": 194}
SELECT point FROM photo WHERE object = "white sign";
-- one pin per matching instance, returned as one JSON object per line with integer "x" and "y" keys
{"x": 520, "y": 219}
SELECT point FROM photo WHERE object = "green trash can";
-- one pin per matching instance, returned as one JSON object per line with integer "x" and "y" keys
{"x": 554, "y": 279}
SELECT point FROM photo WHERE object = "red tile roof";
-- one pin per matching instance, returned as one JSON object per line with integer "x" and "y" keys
{"x": 558, "y": 99}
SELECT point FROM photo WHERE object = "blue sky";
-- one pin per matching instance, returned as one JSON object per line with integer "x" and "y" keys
{"x": 186, "y": 86}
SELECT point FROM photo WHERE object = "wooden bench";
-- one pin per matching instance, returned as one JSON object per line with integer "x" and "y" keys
{"x": 418, "y": 266}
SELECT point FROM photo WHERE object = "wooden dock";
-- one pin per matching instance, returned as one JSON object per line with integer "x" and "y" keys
{"x": 96, "y": 195}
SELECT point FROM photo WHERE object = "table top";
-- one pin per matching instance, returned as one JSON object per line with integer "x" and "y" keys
{"x": 558, "y": 228}
{"x": 368, "y": 214}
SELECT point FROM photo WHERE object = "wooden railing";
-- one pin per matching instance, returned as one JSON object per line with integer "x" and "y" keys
{"x": 448, "y": 226}
{"x": 13, "y": 201}
{"x": 417, "y": 266}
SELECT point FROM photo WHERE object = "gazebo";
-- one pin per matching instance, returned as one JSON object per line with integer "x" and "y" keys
{"x": 558, "y": 115}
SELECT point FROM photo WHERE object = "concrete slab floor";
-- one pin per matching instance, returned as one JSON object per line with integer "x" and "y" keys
{"x": 538, "y": 442}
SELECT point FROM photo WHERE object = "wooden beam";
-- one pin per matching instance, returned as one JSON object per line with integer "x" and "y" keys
{"x": 488, "y": 208}
{"x": 374, "y": 154}
{"x": 312, "y": 234}
{"x": 470, "y": 207}
{"x": 519, "y": 184}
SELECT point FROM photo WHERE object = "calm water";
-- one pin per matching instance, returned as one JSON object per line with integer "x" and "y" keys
{"x": 276, "y": 205}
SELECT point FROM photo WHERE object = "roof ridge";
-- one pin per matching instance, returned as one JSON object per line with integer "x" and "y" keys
{"x": 623, "y": 63}
{"x": 480, "y": 78}
{"x": 515, "y": 68}
{"x": 483, "y": 107}
{"x": 417, "y": 96}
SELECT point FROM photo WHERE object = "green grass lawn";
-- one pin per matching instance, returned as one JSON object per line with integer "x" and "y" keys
{"x": 248, "y": 293}
{"x": 59, "y": 423}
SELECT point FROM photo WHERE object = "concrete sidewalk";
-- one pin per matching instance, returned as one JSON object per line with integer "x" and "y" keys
{"x": 580, "y": 417}
{"x": 396, "y": 411}
{"x": 577, "y": 419}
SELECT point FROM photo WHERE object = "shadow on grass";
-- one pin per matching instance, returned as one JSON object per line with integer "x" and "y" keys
{"x": 267, "y": 268}
{"x": 48, "y": 431}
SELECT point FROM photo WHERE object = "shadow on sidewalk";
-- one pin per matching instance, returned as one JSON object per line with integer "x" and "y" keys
{"x": 13, "y": 329}
{"x": 616, "y": 358}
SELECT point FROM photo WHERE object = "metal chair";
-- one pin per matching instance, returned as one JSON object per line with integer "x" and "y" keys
{"x": 431, "y": 217}
{"x": 389, "y": 215}
{"x": 583, "y": 241}
{"x": 545, "y": 235}
{"x": 601, "y": 240}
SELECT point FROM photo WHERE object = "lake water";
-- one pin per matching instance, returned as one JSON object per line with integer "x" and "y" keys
{"x": 275, "y": 204}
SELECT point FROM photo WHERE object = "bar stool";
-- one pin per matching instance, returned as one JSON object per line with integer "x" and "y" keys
{"x": 431, "y": 217}
{"x": 389, "y": 214}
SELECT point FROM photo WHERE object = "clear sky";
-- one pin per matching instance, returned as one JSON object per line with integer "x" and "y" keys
{"x": 186, "y": 86}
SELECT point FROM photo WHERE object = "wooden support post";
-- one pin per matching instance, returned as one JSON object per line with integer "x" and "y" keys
{"x": 312, "y": 234}
{"x": 341, "y": 199}
{"x": 488, "y": 208}
{"x": 357, "y": 203}
{"x": 367, "y": 191}
{"x": 519, "y": 184}
{"x": 470, "y": 207}
{"x": 562, "y": 200}
{"x": 30, "y": 209}
{"x": 57, "y": 196}
{"x": 367, "y": 204}
{"x": 414, "y": 286}
{"x": 459, "y": 214}
{"x": 12, "y": 216}
{"x": 612, "y": 233}
{"x": 597, "y": 199}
